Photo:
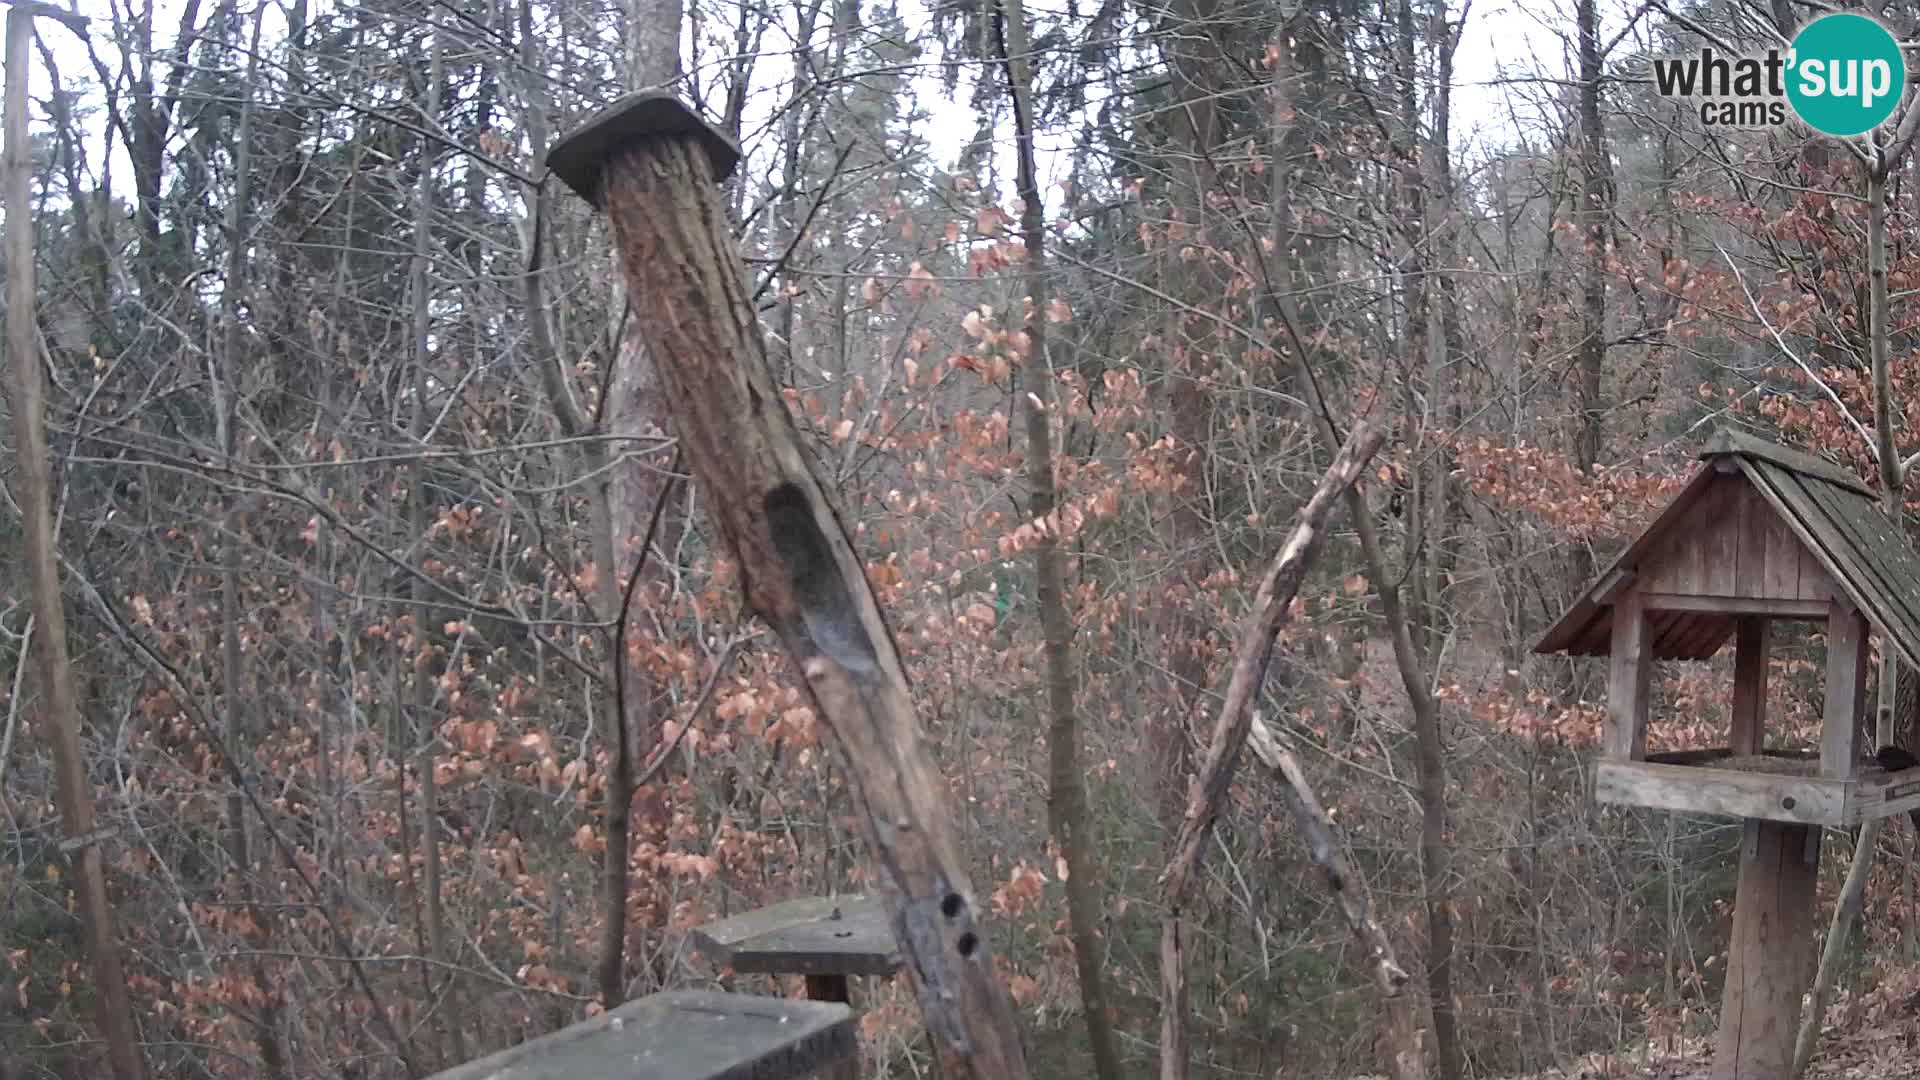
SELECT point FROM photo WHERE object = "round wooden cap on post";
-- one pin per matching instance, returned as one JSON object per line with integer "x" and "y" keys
{"x": 581, "y": 154}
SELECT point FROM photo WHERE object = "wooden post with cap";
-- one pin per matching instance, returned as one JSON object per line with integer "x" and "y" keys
{"x": 827, "y": 940}
{"x": 654, "y": 167}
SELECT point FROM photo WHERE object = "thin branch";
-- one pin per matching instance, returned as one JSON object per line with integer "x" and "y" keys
{"x": 659, "y": 758}
{"x": 800, "y": 232}
{"x": 13, "y": 700}
{"x": 1754, "y": 303}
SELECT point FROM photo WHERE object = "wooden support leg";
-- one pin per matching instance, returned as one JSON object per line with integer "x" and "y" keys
{"x": 1846, "y": 692}
{"x": 1629, "y": 674}
{"x": 1768, "y": 960}
{"x": 829, "y": 988}
{"x": 834, "y": 988}
{"x": 1749, "y": 685}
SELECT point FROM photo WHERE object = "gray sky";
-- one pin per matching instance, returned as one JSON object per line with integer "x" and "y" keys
{"x": 1514, "y": 37}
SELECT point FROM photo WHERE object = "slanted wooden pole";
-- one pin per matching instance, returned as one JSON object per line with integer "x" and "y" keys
{"x": 653, "y": 166}
{"x": 1768, "y": 959}
{"x": 59, "y": 707}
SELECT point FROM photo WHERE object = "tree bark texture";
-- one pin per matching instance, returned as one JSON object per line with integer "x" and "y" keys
{"x": 1272, "y": 607}
{"x": 800, "y": 573}
{"x": 59, "y": 709}
{"x": 1596, "y": 185}
{"x": 1068, "y": 816}
{"x": 1194, "y": 61}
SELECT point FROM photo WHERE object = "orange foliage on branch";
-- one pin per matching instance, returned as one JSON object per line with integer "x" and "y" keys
{"x": 1612, "y": 502}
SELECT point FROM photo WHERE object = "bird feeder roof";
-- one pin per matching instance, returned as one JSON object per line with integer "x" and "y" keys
{"x": 1745, "y": 490}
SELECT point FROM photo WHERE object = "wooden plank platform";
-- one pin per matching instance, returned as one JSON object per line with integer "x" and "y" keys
{"x": 846, "y": 935}
{"x": 1699, "y": 789}
{"x": 682, "y": 1035}
{"x": 1688, "y": 782}
{"x": 1884, "y": 795}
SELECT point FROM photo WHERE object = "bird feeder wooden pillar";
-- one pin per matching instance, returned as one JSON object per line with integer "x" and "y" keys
{"x": 1760, "y": 534}
{"x": 654, "y": 166}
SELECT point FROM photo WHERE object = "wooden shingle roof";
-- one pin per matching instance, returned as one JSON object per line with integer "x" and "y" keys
{"x": 1836, "y": 519}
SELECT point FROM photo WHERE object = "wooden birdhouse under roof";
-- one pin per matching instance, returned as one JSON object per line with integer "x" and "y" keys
{"x": 1761, "y": 533}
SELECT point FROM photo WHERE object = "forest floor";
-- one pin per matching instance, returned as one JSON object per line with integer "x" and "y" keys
{"x": 1870, "y": 1036}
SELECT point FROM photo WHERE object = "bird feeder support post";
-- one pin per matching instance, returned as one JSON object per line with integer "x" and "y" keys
{"x": 654, "y": 167}
{"x": 1846, "y": 702}
{"x": 834, "y": 988}
{"x": 1629, "y": 680}
{"x": 830, "y": 987}
{"x": 1751, "y": 645}
{"x": 1768, "y": 956}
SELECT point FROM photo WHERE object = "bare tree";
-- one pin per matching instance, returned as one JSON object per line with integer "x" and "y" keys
{"x": 1068, "y": 815}
{"x": 60, "y": 712}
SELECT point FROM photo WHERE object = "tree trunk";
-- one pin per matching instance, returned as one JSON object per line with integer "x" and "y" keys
{"x": 1194, "y": 62}
{"x": 1596, "y": 180}
{"x": 424, "y": 726}
{"x": 625, "y": 488}
{"x": 60, "y": 712}
{"x": 773, "y": 516}
{"x": 226, "y": 384}
{"x": 630, "y": 485}
{"x": 1067, "y": 812}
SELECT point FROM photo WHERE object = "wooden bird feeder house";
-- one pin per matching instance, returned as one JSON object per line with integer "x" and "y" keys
{"x": 1760, "y": 534}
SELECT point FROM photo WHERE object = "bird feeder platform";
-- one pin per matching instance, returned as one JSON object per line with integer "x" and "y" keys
{"x": 825, "y": 939}
{"x": 683, "y": 1035}
{"x": 1774, "y": 786}
{"x": 839, "y": 936}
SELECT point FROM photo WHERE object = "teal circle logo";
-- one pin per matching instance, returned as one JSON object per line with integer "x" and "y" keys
{"x": 1846, "y": 74}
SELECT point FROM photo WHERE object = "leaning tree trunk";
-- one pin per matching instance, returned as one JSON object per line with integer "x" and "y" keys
{"x": 1208, "y": 790}
{"x": 654, "y": 166}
